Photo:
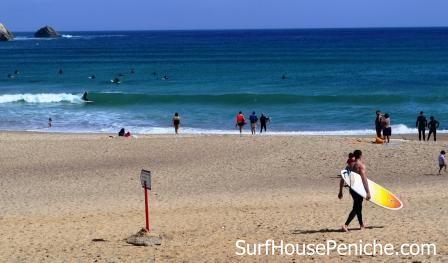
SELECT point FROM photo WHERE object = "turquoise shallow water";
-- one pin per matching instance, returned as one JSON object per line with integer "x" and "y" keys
{"x": 335, "y": 79}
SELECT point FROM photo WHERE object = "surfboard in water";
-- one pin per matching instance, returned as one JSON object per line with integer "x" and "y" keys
{"x": 379, "y": 195}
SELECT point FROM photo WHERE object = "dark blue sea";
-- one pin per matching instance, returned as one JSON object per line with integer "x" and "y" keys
{"x": 324, "y": 81}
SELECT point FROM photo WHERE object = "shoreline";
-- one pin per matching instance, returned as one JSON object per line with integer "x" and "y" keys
{"x": 397, "y": 137}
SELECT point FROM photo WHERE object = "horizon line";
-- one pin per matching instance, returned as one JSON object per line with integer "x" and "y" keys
{"x": 243, "y": 29}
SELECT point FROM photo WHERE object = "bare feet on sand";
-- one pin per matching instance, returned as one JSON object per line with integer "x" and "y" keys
{"x": 344, "y": 228}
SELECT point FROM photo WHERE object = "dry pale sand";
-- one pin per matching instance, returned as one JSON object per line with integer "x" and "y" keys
{"x": 60, "y": 191}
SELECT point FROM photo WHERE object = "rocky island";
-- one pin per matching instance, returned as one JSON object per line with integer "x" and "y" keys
{"x": 46, "y": 32}
{"x": 5, "y": 34}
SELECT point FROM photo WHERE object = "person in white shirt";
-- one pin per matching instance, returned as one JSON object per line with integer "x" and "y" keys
{"x": 442, "y": 161}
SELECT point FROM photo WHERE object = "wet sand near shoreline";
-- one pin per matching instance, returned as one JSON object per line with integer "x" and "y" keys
{"x": 61, "y": 191}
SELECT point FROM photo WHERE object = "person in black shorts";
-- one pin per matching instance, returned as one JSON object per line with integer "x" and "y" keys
{"x": 421, "y": 124}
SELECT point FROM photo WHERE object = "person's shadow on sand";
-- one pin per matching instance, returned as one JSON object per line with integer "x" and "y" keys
{"x": 328, "y": 230}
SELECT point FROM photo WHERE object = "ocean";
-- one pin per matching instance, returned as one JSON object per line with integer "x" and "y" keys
{"x": 310, "y": 81}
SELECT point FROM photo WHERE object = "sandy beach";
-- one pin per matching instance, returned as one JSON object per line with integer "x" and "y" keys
{"x": 61, "y": 191}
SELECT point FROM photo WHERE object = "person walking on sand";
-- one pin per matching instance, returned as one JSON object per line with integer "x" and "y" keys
{"x": 442, "y": 162}
{"x": 240, "y": 121}
{"x": 387, "y": 129}
{"x": 253, "y": 122}
{"x": 358, "y": 167}
{"x": 421, "y": 124}
{"x": 263, "y": 121}
{"x": 433, "y": 125}
{"x": 176, "y": 122}
{"x": 378, "y": 127}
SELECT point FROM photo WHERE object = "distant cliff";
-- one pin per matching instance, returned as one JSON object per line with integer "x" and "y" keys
{"x": 47, "y": 31}
{"x": 5, "y": 34}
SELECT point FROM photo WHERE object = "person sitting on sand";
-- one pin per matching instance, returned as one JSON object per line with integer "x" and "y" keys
{"x": 433, "y": 125}
{"x": 121, "y": 132}
{"x": 176, "y": 122}
{"x": 442, "y": 162}
{"x": 357, "y": 167}
{"x": 240, "y": 121}
{"x": 253, "y": 122}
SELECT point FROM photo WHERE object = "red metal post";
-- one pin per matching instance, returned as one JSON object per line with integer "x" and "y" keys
{"x": 147, "y": 209}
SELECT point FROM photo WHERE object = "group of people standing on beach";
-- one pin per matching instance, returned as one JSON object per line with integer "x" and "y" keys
{"x": 421, "y": 124}
{"x": 383, "y": 126}
{"x": 384, "y": 129}
{"x": 253, "y": 118}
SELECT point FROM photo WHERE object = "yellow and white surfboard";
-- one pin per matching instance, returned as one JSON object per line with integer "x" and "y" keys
{"x": 379, "y": 195}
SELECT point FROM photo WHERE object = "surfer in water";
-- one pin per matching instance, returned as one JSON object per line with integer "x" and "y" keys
{"x": 358, "y": 167}
{"x": 85, "y": 96}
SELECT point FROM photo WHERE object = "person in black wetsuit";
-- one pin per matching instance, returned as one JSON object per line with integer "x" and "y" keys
{"x": 421, "y": 124}
{"x": 358, "y": 167}
{"x": 433, "y": 125}
{"x": 85, "y": 96}
{"x": 263, "y": 121}
{"x": 378, "y": 126}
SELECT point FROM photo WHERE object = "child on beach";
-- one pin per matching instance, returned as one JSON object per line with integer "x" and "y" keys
{"x": 442, "y": 162}
{"x": 350, "y": 161}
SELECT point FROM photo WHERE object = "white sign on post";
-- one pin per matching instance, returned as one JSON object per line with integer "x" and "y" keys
{"x": 145, "y": 178}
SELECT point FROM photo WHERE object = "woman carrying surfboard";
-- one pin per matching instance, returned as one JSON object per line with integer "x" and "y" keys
{"x": 358, "y": 167}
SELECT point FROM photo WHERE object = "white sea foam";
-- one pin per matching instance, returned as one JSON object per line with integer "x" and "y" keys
{"x": 41, "y": 98}
{"x": 396, "y": 129}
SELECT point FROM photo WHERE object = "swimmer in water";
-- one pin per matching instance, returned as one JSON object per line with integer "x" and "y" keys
{"x": 60, "y": 72}
{"x": 92, "y": 76}
{"x": 116, "y": 81}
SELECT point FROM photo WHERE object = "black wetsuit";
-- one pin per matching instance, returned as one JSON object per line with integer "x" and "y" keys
{"x": 378, "y": 126}
{"x": 263, "y": 121}
{"x": 357, "y": 208}
{"x": 433, "y": 126}
{"x": 421, "y": 125}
